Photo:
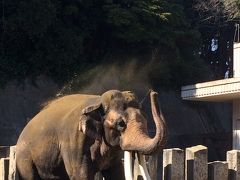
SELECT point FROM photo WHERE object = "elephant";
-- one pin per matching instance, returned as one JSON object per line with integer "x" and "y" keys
{"x": 76, "y": 136}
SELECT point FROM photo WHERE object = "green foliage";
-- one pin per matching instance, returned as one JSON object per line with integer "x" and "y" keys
{"x": 136, "y": 21}
{"x": 61, "y": 38}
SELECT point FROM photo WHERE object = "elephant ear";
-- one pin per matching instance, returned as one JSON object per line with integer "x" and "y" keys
{"x": 102, "y": 102}
{"x": 92, "y": 105}
{"x": 91, "y": 127}
{"x": 131, "y": 99}
{"x": 91, "y": 119}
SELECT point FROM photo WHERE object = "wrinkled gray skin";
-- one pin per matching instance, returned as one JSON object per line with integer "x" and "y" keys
{"x": 78, "y": 135}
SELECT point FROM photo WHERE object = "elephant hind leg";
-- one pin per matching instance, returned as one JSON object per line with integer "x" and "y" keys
{"x": 26, "y": 168}
{"x": 27, "y": 171}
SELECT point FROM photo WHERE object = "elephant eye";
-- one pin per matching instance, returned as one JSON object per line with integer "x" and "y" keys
{"x": 120, "y": 125}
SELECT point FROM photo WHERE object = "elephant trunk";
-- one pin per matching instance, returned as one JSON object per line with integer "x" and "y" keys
{"x": 160, "y": 137}
{"x": 143, "y": 143}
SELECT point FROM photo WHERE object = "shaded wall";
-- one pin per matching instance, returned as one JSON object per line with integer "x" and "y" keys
{"x": 189, "y": 123}
{"x": 19, "y": 103}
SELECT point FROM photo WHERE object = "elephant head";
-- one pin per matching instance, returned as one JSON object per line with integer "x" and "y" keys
{"x": 122, "y": 123}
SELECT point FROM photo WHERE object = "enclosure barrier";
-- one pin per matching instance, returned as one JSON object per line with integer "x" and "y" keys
{"x": 178, "y": 164}
{"x": 193, "y": 165}
{"x": 8, "y": 163}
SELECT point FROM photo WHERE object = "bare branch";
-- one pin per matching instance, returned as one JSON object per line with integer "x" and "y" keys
{"x": 217, "y": 10}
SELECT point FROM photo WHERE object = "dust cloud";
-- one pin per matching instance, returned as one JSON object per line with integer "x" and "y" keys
{"x": 129, "y": 76}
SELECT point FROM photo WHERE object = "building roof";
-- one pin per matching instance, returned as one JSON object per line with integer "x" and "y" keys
{"x": 219, "y": 90}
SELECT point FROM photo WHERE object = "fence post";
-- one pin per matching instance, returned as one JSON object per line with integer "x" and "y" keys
{"x": 173, "y": 164}
{"x": 152, "y": 166}
{"x": 218, "y": 170}
{"x": 233, "y": 159}
{"x": 12, "y": 164}
{"x": 196, "y": 163}
{"x": 4, "y": 166}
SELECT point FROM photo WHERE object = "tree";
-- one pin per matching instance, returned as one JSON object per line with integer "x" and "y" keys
{"x": 218, "y": 11}
{"x": 60, "y": 38}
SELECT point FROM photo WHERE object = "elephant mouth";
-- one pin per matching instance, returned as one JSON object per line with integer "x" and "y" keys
{"x": 135, "y": 161}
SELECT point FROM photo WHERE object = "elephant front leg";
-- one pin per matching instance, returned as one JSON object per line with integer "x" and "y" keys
{"x": 79, "y": 168}
{"x": 115, "y": 172}
{"x": 98, "y": 176}
{"x": 82, "y": 173}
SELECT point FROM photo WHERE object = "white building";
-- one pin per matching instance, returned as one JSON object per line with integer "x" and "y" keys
{"x": 221, "y": 91}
